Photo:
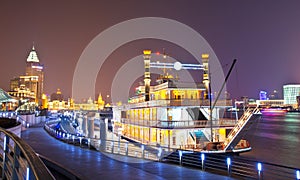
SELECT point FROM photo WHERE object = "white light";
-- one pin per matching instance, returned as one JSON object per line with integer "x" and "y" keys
{"x": 27, "y": 173}
{"x": 259, "y": 166}
{"x": 298, "y": 174}
{"x": 177, "y": 66}
{"x": 37, "y": 67}
{"x": 228, "y": 161}
{"x": 202, "y": 157}
{"x": 4, "y": 148}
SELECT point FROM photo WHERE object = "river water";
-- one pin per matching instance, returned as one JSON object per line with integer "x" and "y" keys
{"x": 276, "y": 139}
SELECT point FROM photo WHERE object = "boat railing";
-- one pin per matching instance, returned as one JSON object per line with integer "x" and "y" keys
{"x": 18, "y": 160}
{"x": 165, "y": 124}
{"x": 176, "y": 102}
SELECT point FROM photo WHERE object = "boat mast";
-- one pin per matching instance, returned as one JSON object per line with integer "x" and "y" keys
{"x": 227, "y": 76}
{"x": 210, "y": 111}
{"x": 215, "y": 102}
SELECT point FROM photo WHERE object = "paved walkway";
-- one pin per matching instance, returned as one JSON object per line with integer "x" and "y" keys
{"x": 88, "y": 164}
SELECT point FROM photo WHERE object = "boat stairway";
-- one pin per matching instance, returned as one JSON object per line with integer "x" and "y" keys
{"x": 240, "y": 129}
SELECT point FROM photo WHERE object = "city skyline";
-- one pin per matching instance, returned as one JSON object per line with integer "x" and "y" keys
{"x": 262, "y": 36}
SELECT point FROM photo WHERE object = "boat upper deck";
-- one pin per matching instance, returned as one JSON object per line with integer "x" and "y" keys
{"x": 176, "y": 102}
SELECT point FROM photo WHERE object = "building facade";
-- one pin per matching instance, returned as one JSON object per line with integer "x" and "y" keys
{"x": 290, "y": 93}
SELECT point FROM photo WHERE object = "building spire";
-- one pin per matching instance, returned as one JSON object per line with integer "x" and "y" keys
{"x": 33, "y": 46}
{"x": 32, "y": 57}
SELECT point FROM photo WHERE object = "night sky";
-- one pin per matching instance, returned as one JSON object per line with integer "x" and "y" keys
{"x": 264, "y": 37}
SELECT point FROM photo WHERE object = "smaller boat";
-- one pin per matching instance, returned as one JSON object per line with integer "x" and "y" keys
{"x": 273, "y": 111}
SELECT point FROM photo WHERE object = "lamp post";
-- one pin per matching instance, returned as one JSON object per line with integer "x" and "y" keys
{"x": 259, "y": 169}
{"x": 202, "y": 161}
{"x": 228, "y": 165}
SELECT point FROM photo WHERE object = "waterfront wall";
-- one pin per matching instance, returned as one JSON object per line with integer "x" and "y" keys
{"x": 30, "y": 119}
{"x": 16, "y": 130}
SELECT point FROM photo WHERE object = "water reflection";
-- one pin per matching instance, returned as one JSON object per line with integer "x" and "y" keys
{"x": 276, "y": 139}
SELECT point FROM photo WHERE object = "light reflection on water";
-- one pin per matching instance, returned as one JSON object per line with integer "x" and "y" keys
{"x": 276, "y": 139}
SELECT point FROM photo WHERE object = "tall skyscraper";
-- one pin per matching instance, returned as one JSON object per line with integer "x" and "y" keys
{"x": 34, "y": 68}
{"x": 31, "y": 85}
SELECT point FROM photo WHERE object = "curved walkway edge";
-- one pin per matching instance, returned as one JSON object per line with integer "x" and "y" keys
{"x": 89, "y": 164}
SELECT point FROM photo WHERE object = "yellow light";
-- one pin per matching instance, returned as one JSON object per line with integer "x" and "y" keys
{"x": 147, "y": 52}
{"x": 44, "y": 96}
{"x": 205, "y": 56}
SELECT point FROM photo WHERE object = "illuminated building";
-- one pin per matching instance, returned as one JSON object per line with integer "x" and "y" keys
{"x": 31, "y": 85}
{"x": 22, "y": 93}
{"x": 270, "y": 103}
{"x": 57, "y": 96}
{"x": 57, "y": 101}
{"x": 34, "y": 68}
{"x": 44, "y": 101}
{"x": 290, "y": 93}
{"x": 298, "y": 102}
{"x": 6, "y": 101}
{"x": 172, "y": 113}
{"x": 262, "y": 95}
{"x": 91, "y": 105}
{"x": 100, "y": 102}
{"x": 274, "y": 95}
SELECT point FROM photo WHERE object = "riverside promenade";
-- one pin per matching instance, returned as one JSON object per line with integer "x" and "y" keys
{"x": 89, "y": 164}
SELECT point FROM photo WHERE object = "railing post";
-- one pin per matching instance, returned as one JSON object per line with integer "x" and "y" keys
{"x": 126, "y": 148}
{"x": 143, "y": 151}
{"x": 16, "y": 163}
{"x": 80, "y": 141}
{"x": 119, "y": 139}
{"x": 99, "y": 145}
{"x": 159, "y": 154}
{"x": 112, "y": 147}
{"x": 29, "y": 173}
{"x": 5, "y": 158}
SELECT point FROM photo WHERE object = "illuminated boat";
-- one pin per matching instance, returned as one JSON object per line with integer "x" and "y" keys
{"x": 273, "y": 111}
{"x": 176, "y": 114}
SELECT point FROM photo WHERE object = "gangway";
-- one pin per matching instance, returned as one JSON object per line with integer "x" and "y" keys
{"x": 237, "y": 133}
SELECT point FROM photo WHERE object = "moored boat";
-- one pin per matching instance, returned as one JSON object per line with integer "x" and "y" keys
{"x": 273, "y": 111}
{"x": 179, "y": 115}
